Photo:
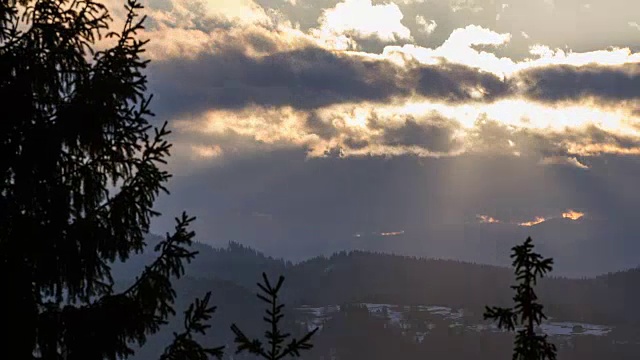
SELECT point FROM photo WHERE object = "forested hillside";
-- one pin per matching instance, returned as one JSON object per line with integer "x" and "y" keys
{"x": 426, "y": 306}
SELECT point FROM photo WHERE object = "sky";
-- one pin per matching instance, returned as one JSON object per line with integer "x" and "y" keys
{"x": 438, "y": 128}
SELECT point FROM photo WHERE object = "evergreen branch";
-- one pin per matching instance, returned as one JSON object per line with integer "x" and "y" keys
{"x": 183, "y": 345}
{"x": 244, "y": 343}
{"x": 506, "y": 317}
{"x": 274, "y": 336}
{"x": 294, "y": 347}
{"x": 172, "y": 252}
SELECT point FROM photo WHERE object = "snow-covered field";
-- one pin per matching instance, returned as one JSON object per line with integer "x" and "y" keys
{"x": 397, "y": 316}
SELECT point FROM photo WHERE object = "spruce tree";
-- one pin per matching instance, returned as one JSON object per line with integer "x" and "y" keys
{"x": 80, "y": 169}
{"x": 527, "y": 312}
{"x": 274, "y": 347}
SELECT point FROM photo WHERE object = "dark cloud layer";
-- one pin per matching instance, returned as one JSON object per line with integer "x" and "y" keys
{"x": 564, "y": 82}
{"x": 435, "y": 135}
{"x": 307, "y": 79}
{"x": 304, "y": 79}
{"x": 457, "y": 83}
{"x": 312, "y": 78}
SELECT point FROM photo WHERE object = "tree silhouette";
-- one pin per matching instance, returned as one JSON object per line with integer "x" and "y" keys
{"x": 527, "y": 312}
{"x": 274, "y": 337}
{"x": 183, "y": 345}
{"x": 80, "y": 169}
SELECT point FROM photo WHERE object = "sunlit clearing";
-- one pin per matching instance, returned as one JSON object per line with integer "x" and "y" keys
{"x": 393, "y": 233}
{"x": 511, "y": 127}
{"x": 359, "y": 118}
{"x": 485, "y": 219}
{"x": 572, "y": 214}
{"x": 536, "y": 221}
{"x": 207, "y": 151}
{"x": 524, "y": 114}
{"x": 564, "y": 160}
{"x": 537, "y": 116}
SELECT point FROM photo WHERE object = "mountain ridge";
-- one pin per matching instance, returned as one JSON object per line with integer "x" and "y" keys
{"x": 365, "y": 276}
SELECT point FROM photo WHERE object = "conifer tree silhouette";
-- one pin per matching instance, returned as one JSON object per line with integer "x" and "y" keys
{"x": 80, "y": 169}
{"x": 184, "y": 346}
{"x": 275, "y": 338}
{"x": 527, "y": 312}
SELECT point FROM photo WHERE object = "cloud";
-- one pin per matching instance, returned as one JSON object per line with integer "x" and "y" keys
{"x": 593, "y": 141}
{"x": 187, "y": 28}
{"x": 461, "y": 48}
{"x": 188, "y": 24}
{"x": 565, "y": 82}
{"x": 563, "y": 160}
{"x": 229, "y": 62}
{"x": 304, "y": 79}
{"x": 351, "y": 129}
{"x": 468, "y": 46}
{"x": 273, "y": 117}
{"x": 436, "y": 135}
{"x": 353, "y": 20}
{"x": 426, "y": 26}
{"x": 409, "y": 2}
{"x": 458, "y": 83}
{"x": 309, "y": 78}
{"x": 564, "y": 135}
{"x": 465, "y": 5}
{"x": 243, "y": 11}
{"x": 424, "y": 129}
{"x": 269, "y": 84}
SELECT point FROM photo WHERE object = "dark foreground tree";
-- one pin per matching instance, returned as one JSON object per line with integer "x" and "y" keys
{"x": 80, "y": 168}
{"x": 527, "y": 312}
{"x": 276, "y": 347}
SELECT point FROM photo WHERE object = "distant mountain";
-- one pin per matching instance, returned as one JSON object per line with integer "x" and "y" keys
{"x": 236, "y": 263}
{"x": 583, "y": 247}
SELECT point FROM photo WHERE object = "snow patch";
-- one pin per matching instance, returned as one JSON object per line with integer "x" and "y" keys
{"x": 396, "y": 316}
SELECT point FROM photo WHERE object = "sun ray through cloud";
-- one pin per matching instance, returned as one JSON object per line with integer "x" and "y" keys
{"x": 470, "y": 112}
